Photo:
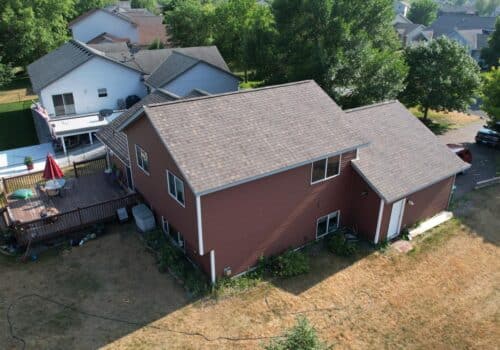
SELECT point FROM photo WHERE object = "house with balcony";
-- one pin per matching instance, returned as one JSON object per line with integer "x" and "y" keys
{"x": 82, "y": 88}
{"x": 235, "y": 176}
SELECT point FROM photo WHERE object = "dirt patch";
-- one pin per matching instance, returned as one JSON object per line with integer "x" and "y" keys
{"x": 444, "y": 294}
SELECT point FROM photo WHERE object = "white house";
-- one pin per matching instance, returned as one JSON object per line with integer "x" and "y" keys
{"x": 82, "y": 87}
{"x": 121, "y": 23}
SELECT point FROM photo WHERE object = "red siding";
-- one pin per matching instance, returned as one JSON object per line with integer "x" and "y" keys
{"x": 426, "y": 203}
{"x": 270, "y": 215}
{"x": 153, "y": 187}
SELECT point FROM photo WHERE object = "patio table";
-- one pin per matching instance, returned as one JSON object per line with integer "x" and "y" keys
{"x": 52, "y": 187}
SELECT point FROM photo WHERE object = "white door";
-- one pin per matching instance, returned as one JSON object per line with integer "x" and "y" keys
{"x": 396, "y": 216}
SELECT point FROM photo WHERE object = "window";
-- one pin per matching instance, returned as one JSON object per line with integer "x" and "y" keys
{"x": 102, "y": 92}
{"x": 327, "y": 224}
{"x": 64, "y": 104}
{"x": 175, "y": 188}
{"x": 325, "y": 169}
{"x": 142, "y": 159}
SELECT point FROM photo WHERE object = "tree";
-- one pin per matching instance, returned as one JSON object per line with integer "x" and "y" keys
{"x": 31, "y": 28}
{"x": 302, "y": 336}
{"x": 258, "y": 36}
{"x": 486, "y": 7}
{"x": 442, "y": 76}
{"x": 365, "y": 64}
{"x": 491, "y": 54}
{"x": 82, "y": 6}
{"x": 230, "y": 17}
{"x": 491, "y": 95}
{"x": 190, "y": 23}
{"x": 151, "y": 5}
{"x": 5, "y": 73}
{"x": 423, "y": 12}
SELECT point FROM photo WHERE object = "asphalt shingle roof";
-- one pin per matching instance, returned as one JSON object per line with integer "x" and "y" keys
{"x": 448, "y": 22}
{"x": 180, "y": 60}
{"x": 66, "y": 58}
{"x": 404, "y": 156}
{"x": 222, "y": 140}
{"x": 117, "y": 140}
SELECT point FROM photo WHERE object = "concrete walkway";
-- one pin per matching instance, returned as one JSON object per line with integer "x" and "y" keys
{"x": 483, "y": 157}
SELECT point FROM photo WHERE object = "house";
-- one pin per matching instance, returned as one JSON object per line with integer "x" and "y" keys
{"x": 235, "y": 176}
{"x": 410, "y": 33}
{"x": 83, "y": 87}
{"x": 401, "y": 8}
{"x": 117, "y": 23}
{"x": 470, "y": 30}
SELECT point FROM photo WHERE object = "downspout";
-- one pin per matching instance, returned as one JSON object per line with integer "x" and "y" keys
{"x": 379, "y": 221}
{"x": 200, "y": 226}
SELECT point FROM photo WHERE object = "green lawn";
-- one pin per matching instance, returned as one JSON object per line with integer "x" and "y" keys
{"x": 16, "y": 125}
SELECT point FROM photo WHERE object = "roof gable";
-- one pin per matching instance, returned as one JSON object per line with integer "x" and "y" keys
{"x": 66, "y": 58}
{"x": 106, "y": 11}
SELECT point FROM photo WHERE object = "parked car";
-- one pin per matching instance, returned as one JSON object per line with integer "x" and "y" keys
{"x": 461, "y": 151}
{"x": 489, "y": 136}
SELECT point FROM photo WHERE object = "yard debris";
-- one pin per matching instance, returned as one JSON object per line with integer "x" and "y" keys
{"x": 402, "y": 246}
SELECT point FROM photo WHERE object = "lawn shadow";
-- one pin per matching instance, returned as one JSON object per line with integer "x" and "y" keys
{"x": 435, "y": 127}
{"x": 479, "y": 210}
{"x": 323, "y": 265}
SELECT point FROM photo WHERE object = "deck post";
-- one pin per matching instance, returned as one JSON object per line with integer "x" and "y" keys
{"x": 63, "y": 145}
{"x": 90, "y": 138}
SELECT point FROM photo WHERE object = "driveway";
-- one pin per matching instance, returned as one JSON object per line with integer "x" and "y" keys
{"x": 483, "y": 157}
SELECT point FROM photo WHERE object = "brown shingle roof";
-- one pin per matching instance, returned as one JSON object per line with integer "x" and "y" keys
{"x": 223, "y": 140}
{"x": 404, "y": 156}
{"x": 117, "y": 140}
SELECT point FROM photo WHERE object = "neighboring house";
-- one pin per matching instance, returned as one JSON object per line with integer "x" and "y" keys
{"x": 119, "y": 23}
{"x": 401, "y": 8}
{"x": 79, "y": 85}
{"x": 235, "y": 176}
{"x": 470, "y": 30}
{"x": 411, "y": 33}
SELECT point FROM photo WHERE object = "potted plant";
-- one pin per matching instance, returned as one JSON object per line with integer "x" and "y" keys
{"x": 28, "y": 161}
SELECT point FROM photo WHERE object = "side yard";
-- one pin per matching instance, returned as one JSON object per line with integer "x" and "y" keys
{"x": 16, "y": 125}
{"x": 441, "y": 122}
{"x": 443, "y": 294}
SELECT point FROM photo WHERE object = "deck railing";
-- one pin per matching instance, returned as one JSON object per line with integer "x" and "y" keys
{"x": 10, "y": 184}
{"x": 59, "y": 224}
{"x": 88, "y": 167}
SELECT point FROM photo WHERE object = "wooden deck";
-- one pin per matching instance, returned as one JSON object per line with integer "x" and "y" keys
{"x": 85, "y": 191}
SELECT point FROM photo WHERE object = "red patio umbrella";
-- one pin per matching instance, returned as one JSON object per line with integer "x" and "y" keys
{"x": 52, "y": 170}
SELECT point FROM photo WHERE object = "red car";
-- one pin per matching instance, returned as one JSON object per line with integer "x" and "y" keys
{"x": 461, "y": 151}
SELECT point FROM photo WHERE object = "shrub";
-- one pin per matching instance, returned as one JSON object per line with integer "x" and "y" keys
{"x": 302, "y": 336}
{"x": 291, "y": 263}
{"x": 339, "y": 245}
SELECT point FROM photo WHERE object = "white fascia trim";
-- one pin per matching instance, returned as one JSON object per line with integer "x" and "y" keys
{"x": 200, "y": 226}
{"x": 212, "y": 267}
{"x": 401, "y": 215}
{"x": 131, "y": 118}
{"x": 379, "y": 221}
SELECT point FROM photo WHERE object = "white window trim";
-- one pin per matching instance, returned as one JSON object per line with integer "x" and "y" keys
{"x": 337, "y": 212}
{"x": 168, "y": 189}
{"x": 163, "y": 223}
{"x": 166, "y": 230}
{"x": 326, "y": 170}
{"x": 137, "y": 148}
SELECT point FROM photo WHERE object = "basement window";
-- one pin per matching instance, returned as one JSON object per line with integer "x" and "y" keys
{"x": 176, "y": 188}
{"x": 102, "y": 92}
{"x": 327, "y": 224}
{"x": 324, "y": 169}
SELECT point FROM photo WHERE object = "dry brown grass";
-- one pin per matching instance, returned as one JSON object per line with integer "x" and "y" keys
{"x": 452, "y": 120}
{"x": 443, "y": 295}
{"x": 17, "y": 95}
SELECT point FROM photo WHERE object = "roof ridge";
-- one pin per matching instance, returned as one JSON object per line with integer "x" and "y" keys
{"x": 371, "y": 106}
{"x": 231, "y": 93}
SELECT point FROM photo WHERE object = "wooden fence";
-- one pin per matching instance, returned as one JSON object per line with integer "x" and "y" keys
{"x": 56, "y": 225}
{"x": 88, "y": 167}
